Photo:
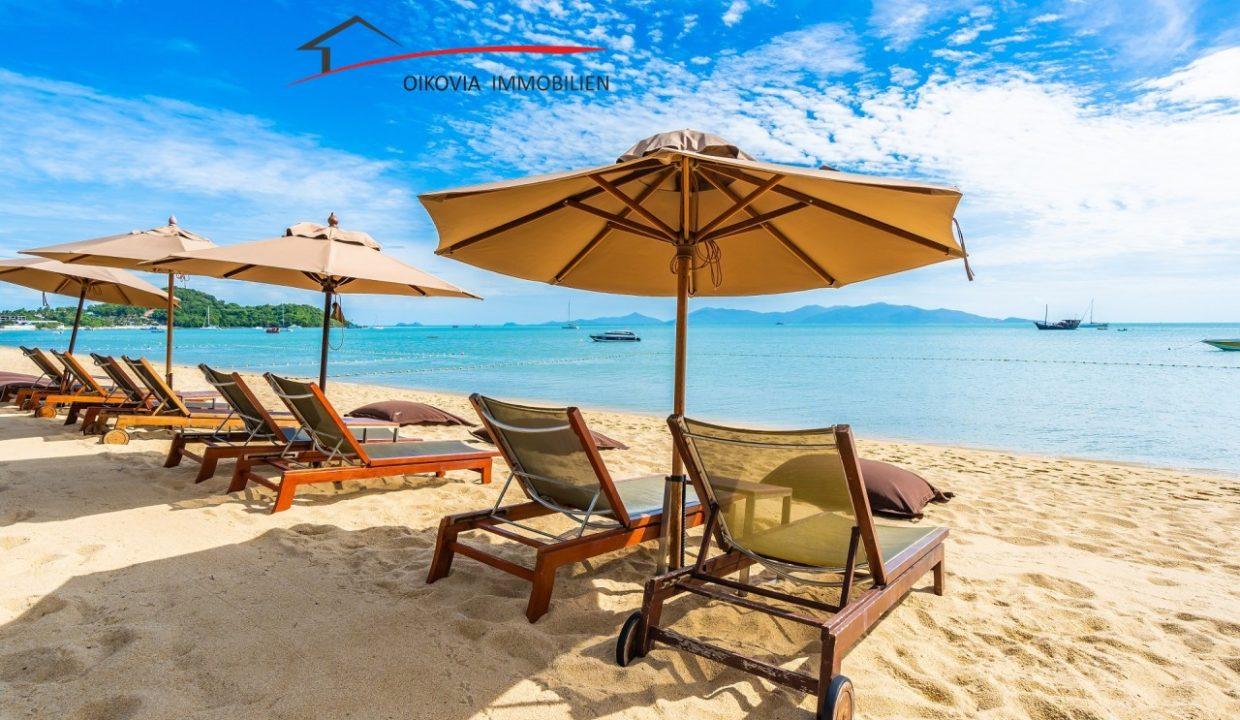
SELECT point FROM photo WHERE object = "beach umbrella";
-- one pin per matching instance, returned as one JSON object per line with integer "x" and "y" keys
{"x": 688, "y": 213}
{"x": 84, "y": 282}
{"x": 315, "y": 257}
{"x": 129, "y": 250}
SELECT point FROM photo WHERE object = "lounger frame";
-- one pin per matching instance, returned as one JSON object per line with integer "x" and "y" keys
{"x": 551, "y": 552}
{"x": 46, "y": 404}
{"x": 168, "y": 412}
{"x": 841, "y": 625}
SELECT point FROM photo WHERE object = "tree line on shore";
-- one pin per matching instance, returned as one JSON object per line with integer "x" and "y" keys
{"x": 192, "y": 312}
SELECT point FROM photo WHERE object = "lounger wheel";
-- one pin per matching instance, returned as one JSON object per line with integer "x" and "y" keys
{"x": 838, "y": 705}
{"x": 627, "y": 642}
{"x": 45, "y": 412}
{"x": 116, "y": 437}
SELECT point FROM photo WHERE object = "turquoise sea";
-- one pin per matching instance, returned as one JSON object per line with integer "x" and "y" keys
{"x": 1153, "y": 394}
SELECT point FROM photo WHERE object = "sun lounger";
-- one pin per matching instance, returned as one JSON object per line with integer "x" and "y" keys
{"x": 793, "y": 502}
{"x": 84, "y": 388}
{"x": 337, "y": 454}
{"x": 54, "y": 377}
{"x": 168, "y": 410}
{"x": 140, "y": 397}
{"x": 11, "y": 383}
{"x": 554, "y": 460}
{"x": 264, "y": 433}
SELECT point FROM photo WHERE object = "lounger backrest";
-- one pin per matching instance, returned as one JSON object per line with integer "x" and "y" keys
{"x": 773, "y": 489}
{"x": 46, "y": 366}
{"x": 78, "y": 373}
{"x": 545, "y": 449}
{"x": 318, "y": 418}
{"x": 258, "y": 421}
{"x": 121, "y": 380}
{"x": 169, "y": 402}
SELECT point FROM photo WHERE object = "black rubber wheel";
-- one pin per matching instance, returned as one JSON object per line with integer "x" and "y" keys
{"x": 626, "y": 643}
{"x": 838, "y": 704}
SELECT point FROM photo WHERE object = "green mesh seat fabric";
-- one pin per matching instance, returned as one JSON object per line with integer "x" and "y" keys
{"x": 316, "y": 420}
{"x": 48, "y": 368}
{"x": 644, "y": 495}
{"x": 417, "y": 449}
{"x": 169, "y": 403}
{"x": 240, "y": 402}
{"x": 120, "y": 379}
{"x": 549, "y": 456}
{"x": 74, "y": 370}
{"x": 785, "y": 495}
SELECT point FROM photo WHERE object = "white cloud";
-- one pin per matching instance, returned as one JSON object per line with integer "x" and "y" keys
{"x": 966, "y": 35}
{"x": 735, "y": 11}
{"x": 903, "y": 76}
{"x": 902, "y": 22}
{"x": 1208, "y": 79}
{"x": 1046, "y": 18}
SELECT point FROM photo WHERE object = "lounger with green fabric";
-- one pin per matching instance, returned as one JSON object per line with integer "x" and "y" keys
{"x": 168, "y": 411}
{"x": 555, "y": 461}
{"x": 84, "y": 388}
{"x": 338, "y": 455}
{"x": 793, "y": 503}
{"x": 265, "y": 433}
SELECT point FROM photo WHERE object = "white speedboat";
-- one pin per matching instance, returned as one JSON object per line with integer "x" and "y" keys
{"x": 615, "y": 336}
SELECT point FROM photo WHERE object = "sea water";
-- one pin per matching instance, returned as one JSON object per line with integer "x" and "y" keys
{"x": 1153, "y": 394}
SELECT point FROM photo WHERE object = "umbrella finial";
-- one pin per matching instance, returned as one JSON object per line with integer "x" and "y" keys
{"x": 332, "y": 220}
{"x": 172, "y": 219}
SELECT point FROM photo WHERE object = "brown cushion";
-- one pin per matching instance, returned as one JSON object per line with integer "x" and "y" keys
{"x": 404, "y": 412}
{"x": 897, "y": 492}
{"x": 602, "y": 441}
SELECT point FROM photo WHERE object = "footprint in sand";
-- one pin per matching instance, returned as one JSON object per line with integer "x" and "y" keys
{"x": 1060, "y": 585}
{"x": 39, "y": 665}
{"x": 118, "y": 707}
{"x": 11, "y": 541}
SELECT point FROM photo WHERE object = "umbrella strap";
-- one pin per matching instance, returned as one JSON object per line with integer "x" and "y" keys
{"x": 338, "y": 315}
{"x": 705, "y": 254}
{"x": 960, "y": 233}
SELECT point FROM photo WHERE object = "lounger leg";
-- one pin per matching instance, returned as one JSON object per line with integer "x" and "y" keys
{"x": 284, "y": 496}
{"x": 441, "y": 560}
{"x": 241, "y": 476}
{"x": 835, "y": 693}
{"x": 485, "y": 471}
{"x": 174, "y": 451}
{"x": 72, "y": 416}
{"x": 544, "y": 582}
{"x": 939, "y": 579}
{"x": 206, "y": 470}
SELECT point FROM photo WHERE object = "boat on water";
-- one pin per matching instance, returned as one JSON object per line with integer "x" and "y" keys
{"x": 1091, "y": 323}
{"x": 568, "y": 322}
{"x": 273, "y": 329}
{"x": 207, "y": 325}
{"x": 1223, "y": 344}
{"x": 615, "y": 336}
{"x": 1046, "y": 324}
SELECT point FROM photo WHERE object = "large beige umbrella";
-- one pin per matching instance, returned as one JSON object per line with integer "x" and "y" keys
{"x": 315, "y": 257}
{"x": 129, "y": 250}
{"x": 687, "y": 213}
{"x": 99, "y": 284}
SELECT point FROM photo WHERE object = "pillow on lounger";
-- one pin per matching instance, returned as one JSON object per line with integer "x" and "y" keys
{"x": 404, "y": 412}
{"x": 602, "y": 441}
{"x": 897, "y": 492}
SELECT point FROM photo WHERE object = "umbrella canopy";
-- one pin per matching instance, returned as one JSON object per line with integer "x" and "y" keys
{"x": 130, "y": 250}
{"x": 315, "y": 257}
{"x": 688, "y": 213}
{"x": 100, "y": 284}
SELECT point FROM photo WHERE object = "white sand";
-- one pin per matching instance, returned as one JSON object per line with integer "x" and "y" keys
{"x": 1075, "y": 590}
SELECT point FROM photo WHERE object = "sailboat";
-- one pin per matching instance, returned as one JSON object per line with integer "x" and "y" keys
{"x": 568, "y": 323}
{"x": 1046, "y": 324}
{"x": 207, "y": 325}
{"x": 1091, "y": 323}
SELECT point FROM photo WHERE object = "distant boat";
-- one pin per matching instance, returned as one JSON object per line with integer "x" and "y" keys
{"x": 615, "y": 336}
{"x": 1046, "y": 324}
{"x": 1223, "y": 344}
{"x": 273, "y": 329}
{"x": 207, "y": 325}
{"x": 1091, "y": 323}
{"x": 568, "y": 323}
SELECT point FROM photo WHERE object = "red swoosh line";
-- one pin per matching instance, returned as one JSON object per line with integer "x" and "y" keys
{"x": 536, "y": 49}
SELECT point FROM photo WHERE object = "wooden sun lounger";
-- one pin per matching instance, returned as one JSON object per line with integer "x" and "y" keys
{"x": 53, "y": 377}
{"x": 618, "y": 514}
{"x": 265, "y": 433}
{"x": 141, "y": 400}
{"x": 169, "y": 410}
{"x": 828, "y": 529}
{"x": 88, "y": 390}
{"x": 338, "y": 455}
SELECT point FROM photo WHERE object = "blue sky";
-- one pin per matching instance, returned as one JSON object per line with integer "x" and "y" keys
{"x": 1097, "y": 143}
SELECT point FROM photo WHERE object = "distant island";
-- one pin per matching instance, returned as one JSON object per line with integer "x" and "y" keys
{"x": 192, "y": 312}
{"x": 872, "y": 314}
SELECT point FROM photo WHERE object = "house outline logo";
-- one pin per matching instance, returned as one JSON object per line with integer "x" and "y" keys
{"x": 325, "y": 52}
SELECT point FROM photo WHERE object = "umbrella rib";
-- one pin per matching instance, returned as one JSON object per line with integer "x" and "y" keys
{"x": 776, "y": 233}
{"x": 125, "y": 297}
{"x": 65, "y": 281}
{"x": 532, "y": 216}
{"x": 237, "y": 271}
{"x": 752, "y": 222}
{"x": 634, "y": 205}
{"x": 741, "y": 203}
{"x": 419, "y": 290}
{"x": 837, "y": 210}
{"x": 602, "y": 234}
{"x": 621, "y": 223}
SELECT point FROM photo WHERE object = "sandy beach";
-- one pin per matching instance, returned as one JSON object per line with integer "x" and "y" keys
{"x": 1075, "y": 590}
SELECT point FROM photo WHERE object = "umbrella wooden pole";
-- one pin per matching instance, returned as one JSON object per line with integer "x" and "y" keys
{"x": 327, "y": 326}
{"x": 168, "y": 334}
{"x": 77, "y": 317}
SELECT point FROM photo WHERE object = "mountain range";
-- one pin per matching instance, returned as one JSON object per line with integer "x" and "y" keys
{"x": 872, "y": 314}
